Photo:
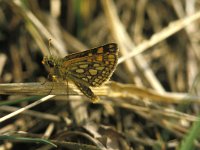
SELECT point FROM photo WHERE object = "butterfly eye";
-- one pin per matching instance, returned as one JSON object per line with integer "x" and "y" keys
{"x": 50, "y": 63}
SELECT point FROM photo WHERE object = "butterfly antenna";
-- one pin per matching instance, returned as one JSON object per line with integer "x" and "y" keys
{"x": 50, "y": 47}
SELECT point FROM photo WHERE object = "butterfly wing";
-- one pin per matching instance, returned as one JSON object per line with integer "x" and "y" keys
{"x": 92, "y": 67}
{"x": 87, "y": 92}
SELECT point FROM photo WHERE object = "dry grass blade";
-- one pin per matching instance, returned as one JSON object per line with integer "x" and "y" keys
{"x": 173, "y": 28}
{"x": 25, "y": 108}
{"x": 110, "y": 89}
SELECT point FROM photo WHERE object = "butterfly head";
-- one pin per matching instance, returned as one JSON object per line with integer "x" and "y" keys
{"x": 49, "y": 61}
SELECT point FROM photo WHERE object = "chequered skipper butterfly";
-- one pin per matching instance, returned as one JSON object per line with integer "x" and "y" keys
{"x": 88, "y": 68}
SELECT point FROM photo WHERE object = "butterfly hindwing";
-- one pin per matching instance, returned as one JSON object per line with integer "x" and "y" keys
{"x": 87, "y": 92}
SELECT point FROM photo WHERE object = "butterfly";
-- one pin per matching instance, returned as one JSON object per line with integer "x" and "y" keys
{"x": 90, "y": 68}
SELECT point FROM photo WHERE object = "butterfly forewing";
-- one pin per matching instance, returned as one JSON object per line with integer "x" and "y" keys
{"x": 92, "y": 67}
{"x": 111, "y": 48}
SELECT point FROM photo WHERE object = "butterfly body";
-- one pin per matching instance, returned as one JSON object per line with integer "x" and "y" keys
{"x": 88, "y": 68}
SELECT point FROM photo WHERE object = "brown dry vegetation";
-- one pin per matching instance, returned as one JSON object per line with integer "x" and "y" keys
{"x": 152, "y": 100}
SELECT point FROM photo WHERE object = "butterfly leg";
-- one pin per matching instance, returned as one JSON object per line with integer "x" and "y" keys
{"x": 67, "y": 90}
{"x": 52, "y": 78}
{"x": 49, "y": 77}
{"x": 43, "y": 83}
{"x": 87, "y": 92}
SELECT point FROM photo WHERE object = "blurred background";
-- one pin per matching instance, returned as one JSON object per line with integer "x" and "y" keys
{"x": 155, "y": 98}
